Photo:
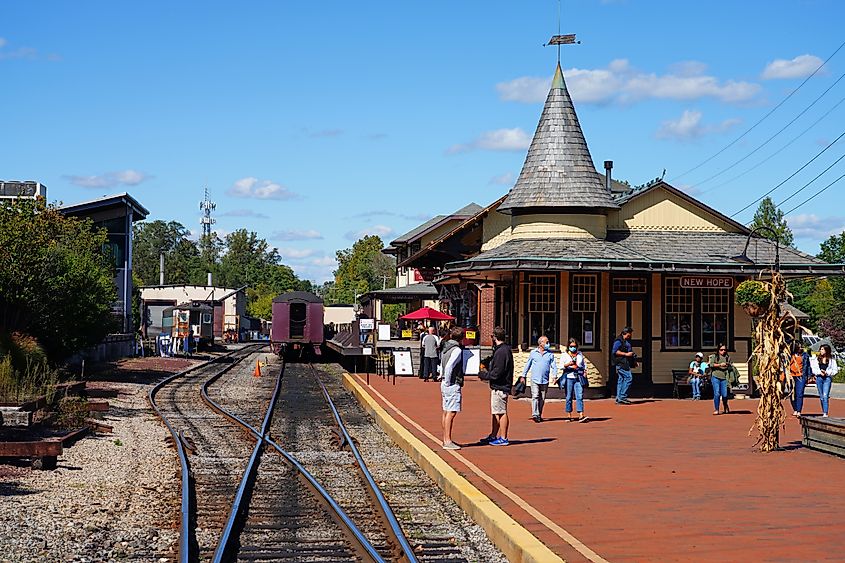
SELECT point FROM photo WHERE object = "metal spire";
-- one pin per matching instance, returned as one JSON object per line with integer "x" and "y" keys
{"x": 207, "y": 206}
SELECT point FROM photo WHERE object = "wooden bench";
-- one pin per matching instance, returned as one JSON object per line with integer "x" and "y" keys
{"x": 824, "y": 434}
{"x": 680, "y": 378}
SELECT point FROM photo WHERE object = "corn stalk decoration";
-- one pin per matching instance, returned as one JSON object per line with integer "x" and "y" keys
{"x": 770, "y": 353}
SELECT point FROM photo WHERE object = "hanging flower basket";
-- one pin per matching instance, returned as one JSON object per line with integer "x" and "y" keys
{"x": 755, "y": 297}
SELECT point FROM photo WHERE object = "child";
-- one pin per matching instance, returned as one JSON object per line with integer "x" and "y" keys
{"x": 696, "y": 369}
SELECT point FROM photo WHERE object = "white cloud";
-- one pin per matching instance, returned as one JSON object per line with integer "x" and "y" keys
{"x": 621, "y": 83}
{"x": 801, "y": 66}
{"x": 319, "y": 269}
{"x": 689, "y": 126}
{"x": 260, "y": 189}
{"x": 289, "y": 253}
{"x": 514, "y": 139}
{"x": 506, "y": 179}
{"x": 811, "y": 226}
{"x": 109, "y": 179}
{"x": 379, "y": 230}
{"x": 244, "y": 213}
{"x": 294, "y": 234}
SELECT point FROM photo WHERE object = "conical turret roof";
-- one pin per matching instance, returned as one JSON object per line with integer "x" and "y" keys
{"x": 558, "y": 170}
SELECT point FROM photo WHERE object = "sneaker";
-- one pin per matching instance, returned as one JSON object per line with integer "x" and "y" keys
{"x": 451, "y": 446}
{"x": 537, "y": 419}
{"x": 487, "y": 439}
{"x": 626, "y": 402}
{"x": 500, "y": 442}
{"x": 583, "y": 418}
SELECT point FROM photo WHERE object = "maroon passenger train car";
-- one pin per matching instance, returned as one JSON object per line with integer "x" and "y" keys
{"x": 297, "y": 327}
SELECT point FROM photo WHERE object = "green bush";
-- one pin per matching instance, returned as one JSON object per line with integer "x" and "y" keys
{"x": 754, "y": 292}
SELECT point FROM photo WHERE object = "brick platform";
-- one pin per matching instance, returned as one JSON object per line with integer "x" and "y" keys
{"x": 659, "y": 480}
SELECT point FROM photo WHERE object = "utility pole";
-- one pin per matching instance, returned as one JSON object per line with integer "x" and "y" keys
{"x": 207, "y": 206}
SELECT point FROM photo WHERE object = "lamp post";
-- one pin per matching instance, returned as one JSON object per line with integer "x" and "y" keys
{"x": 744, "y": 259}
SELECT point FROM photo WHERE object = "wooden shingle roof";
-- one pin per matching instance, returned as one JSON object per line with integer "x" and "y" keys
{"x": 558, "y": 171}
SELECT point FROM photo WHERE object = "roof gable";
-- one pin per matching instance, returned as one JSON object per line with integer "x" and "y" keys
{"x": 661, "y": 206}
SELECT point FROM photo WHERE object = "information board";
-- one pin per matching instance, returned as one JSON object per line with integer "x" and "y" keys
{"x": 384, "y": 332}
{"x": 402, "y": 363}
{"x": 367, "y": 324}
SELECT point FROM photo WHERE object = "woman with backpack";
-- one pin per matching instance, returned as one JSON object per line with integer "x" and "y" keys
{"x": 799, "y": 370}
{"x": 573, "y": 379}
{"x": 452, "y": 372}
{"x": 824, "y": 368}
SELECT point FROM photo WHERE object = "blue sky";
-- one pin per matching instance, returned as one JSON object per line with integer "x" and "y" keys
{"x": 314, "y": 122}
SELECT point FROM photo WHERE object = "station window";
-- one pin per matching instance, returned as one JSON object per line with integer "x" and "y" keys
{"x": 679, "y": 306}
{"x": 542, "y": 307}
{"x": 629, "y": 285}
{"x": 715, "y": 305}
{"x": 695, "y": 318}
{"x": 583, "y": 318}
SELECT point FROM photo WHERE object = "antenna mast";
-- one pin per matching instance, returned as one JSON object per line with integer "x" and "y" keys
{"x": 207, "y": 206}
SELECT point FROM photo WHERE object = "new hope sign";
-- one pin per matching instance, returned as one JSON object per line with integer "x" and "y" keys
{"x": 706, "y": 281}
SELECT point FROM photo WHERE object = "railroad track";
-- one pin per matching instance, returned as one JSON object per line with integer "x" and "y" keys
{"x": 219, "y": 450}
{"x": 285, "y": 482}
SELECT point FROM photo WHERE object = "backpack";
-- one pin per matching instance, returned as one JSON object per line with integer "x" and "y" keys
{"x": 796, "y": 366}
{"x": 457, "y": 375}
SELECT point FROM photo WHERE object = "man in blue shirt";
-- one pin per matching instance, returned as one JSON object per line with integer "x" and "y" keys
{"x": 541, "y": 362}
{"x": 622, "y": 355}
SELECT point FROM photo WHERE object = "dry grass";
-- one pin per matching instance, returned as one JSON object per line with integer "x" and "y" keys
{"x": 25, "y": 373}
{"x": 770, "y": 353}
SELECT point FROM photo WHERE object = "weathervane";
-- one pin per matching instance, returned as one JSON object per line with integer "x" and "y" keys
{"x": 559, "y": 39}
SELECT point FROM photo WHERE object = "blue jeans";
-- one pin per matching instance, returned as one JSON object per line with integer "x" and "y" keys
{"x": 623, "y": 383}
{"x": 696, "y": 387}
{"x": 720, "y": 389}
{"x": 430, "y": 367}
{"x": 798, "y": 400}
{"x": 574, "y": 385}
{"x": 823, "y": 385}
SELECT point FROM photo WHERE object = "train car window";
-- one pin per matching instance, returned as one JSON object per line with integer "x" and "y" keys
{"x": 298, "y": 318}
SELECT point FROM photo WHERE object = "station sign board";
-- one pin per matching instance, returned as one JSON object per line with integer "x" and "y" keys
{"x": 695, "y": 282}
{"x": 367, "y": 324}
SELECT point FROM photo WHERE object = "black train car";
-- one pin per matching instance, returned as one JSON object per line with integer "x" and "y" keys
{"x": 297, "y": 323}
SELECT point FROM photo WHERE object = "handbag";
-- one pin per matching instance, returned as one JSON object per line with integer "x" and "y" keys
{"x": 583, "y": 380}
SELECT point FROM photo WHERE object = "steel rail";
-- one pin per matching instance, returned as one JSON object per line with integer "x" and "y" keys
{"x": 400, "y": 542}
{"x": 337, "y": 512}
{"x": 236, "y": 515}
{"x": 186, "y": 532}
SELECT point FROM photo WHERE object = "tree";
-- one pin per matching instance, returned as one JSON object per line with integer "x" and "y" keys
{"x": 833, "y": 325}
{"x": 833, "y": 251}
{"x": 768, "y": 215}
{"x": 181, "y": 257}
{"x": 360, "y": 269}
{"x": 56, "y": 283}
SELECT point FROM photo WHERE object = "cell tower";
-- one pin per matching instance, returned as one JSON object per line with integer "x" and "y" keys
{"x": 207, "y": 206}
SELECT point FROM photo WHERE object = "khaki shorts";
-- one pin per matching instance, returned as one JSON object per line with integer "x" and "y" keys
{"x": 498, "y": 402}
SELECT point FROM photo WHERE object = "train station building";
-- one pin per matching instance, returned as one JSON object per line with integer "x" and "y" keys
{"x": 569, "y": 253}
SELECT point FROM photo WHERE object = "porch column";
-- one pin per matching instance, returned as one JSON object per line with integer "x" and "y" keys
{"x": 486, "y": 314}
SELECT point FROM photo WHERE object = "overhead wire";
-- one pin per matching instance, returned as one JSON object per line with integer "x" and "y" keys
{"x": 793, "y": 174}
{"x": 814, "y": 195}
{"x": 777, "y": 152}
{"x": 770, "y": 139}
{"x": 819, "y": 175}
{"x": 774, "y": 109}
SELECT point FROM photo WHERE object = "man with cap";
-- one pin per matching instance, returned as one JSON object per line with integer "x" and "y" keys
{"x": 622, "y": 354}
{"x": 697, "y": 368}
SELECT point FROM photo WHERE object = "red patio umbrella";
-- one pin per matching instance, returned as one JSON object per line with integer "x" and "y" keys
{"x": 427, "y": 313}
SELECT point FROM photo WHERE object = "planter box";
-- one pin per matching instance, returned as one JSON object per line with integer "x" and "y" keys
{"x": 824, "y": 434}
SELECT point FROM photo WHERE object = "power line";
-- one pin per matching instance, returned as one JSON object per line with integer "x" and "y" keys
{"x": 801, "y": 189}
{"x": 777, "y": 152}
{"x": 747, "y": 131}
{"x": 814, "y": 195}
{"x": 791, "y": 175}
{"x": 770, "y": 139}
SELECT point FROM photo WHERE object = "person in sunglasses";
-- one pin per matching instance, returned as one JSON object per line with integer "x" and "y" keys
{"x": 720, "y": 363}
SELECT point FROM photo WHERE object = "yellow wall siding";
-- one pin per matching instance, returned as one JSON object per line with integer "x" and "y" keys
{"x": 595, "y": 377}
{"x": 438, "y": 232}
{"x": 496, "y": 229}
{"x": 549, "y": 225}
{"x": 662, "y": 210}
